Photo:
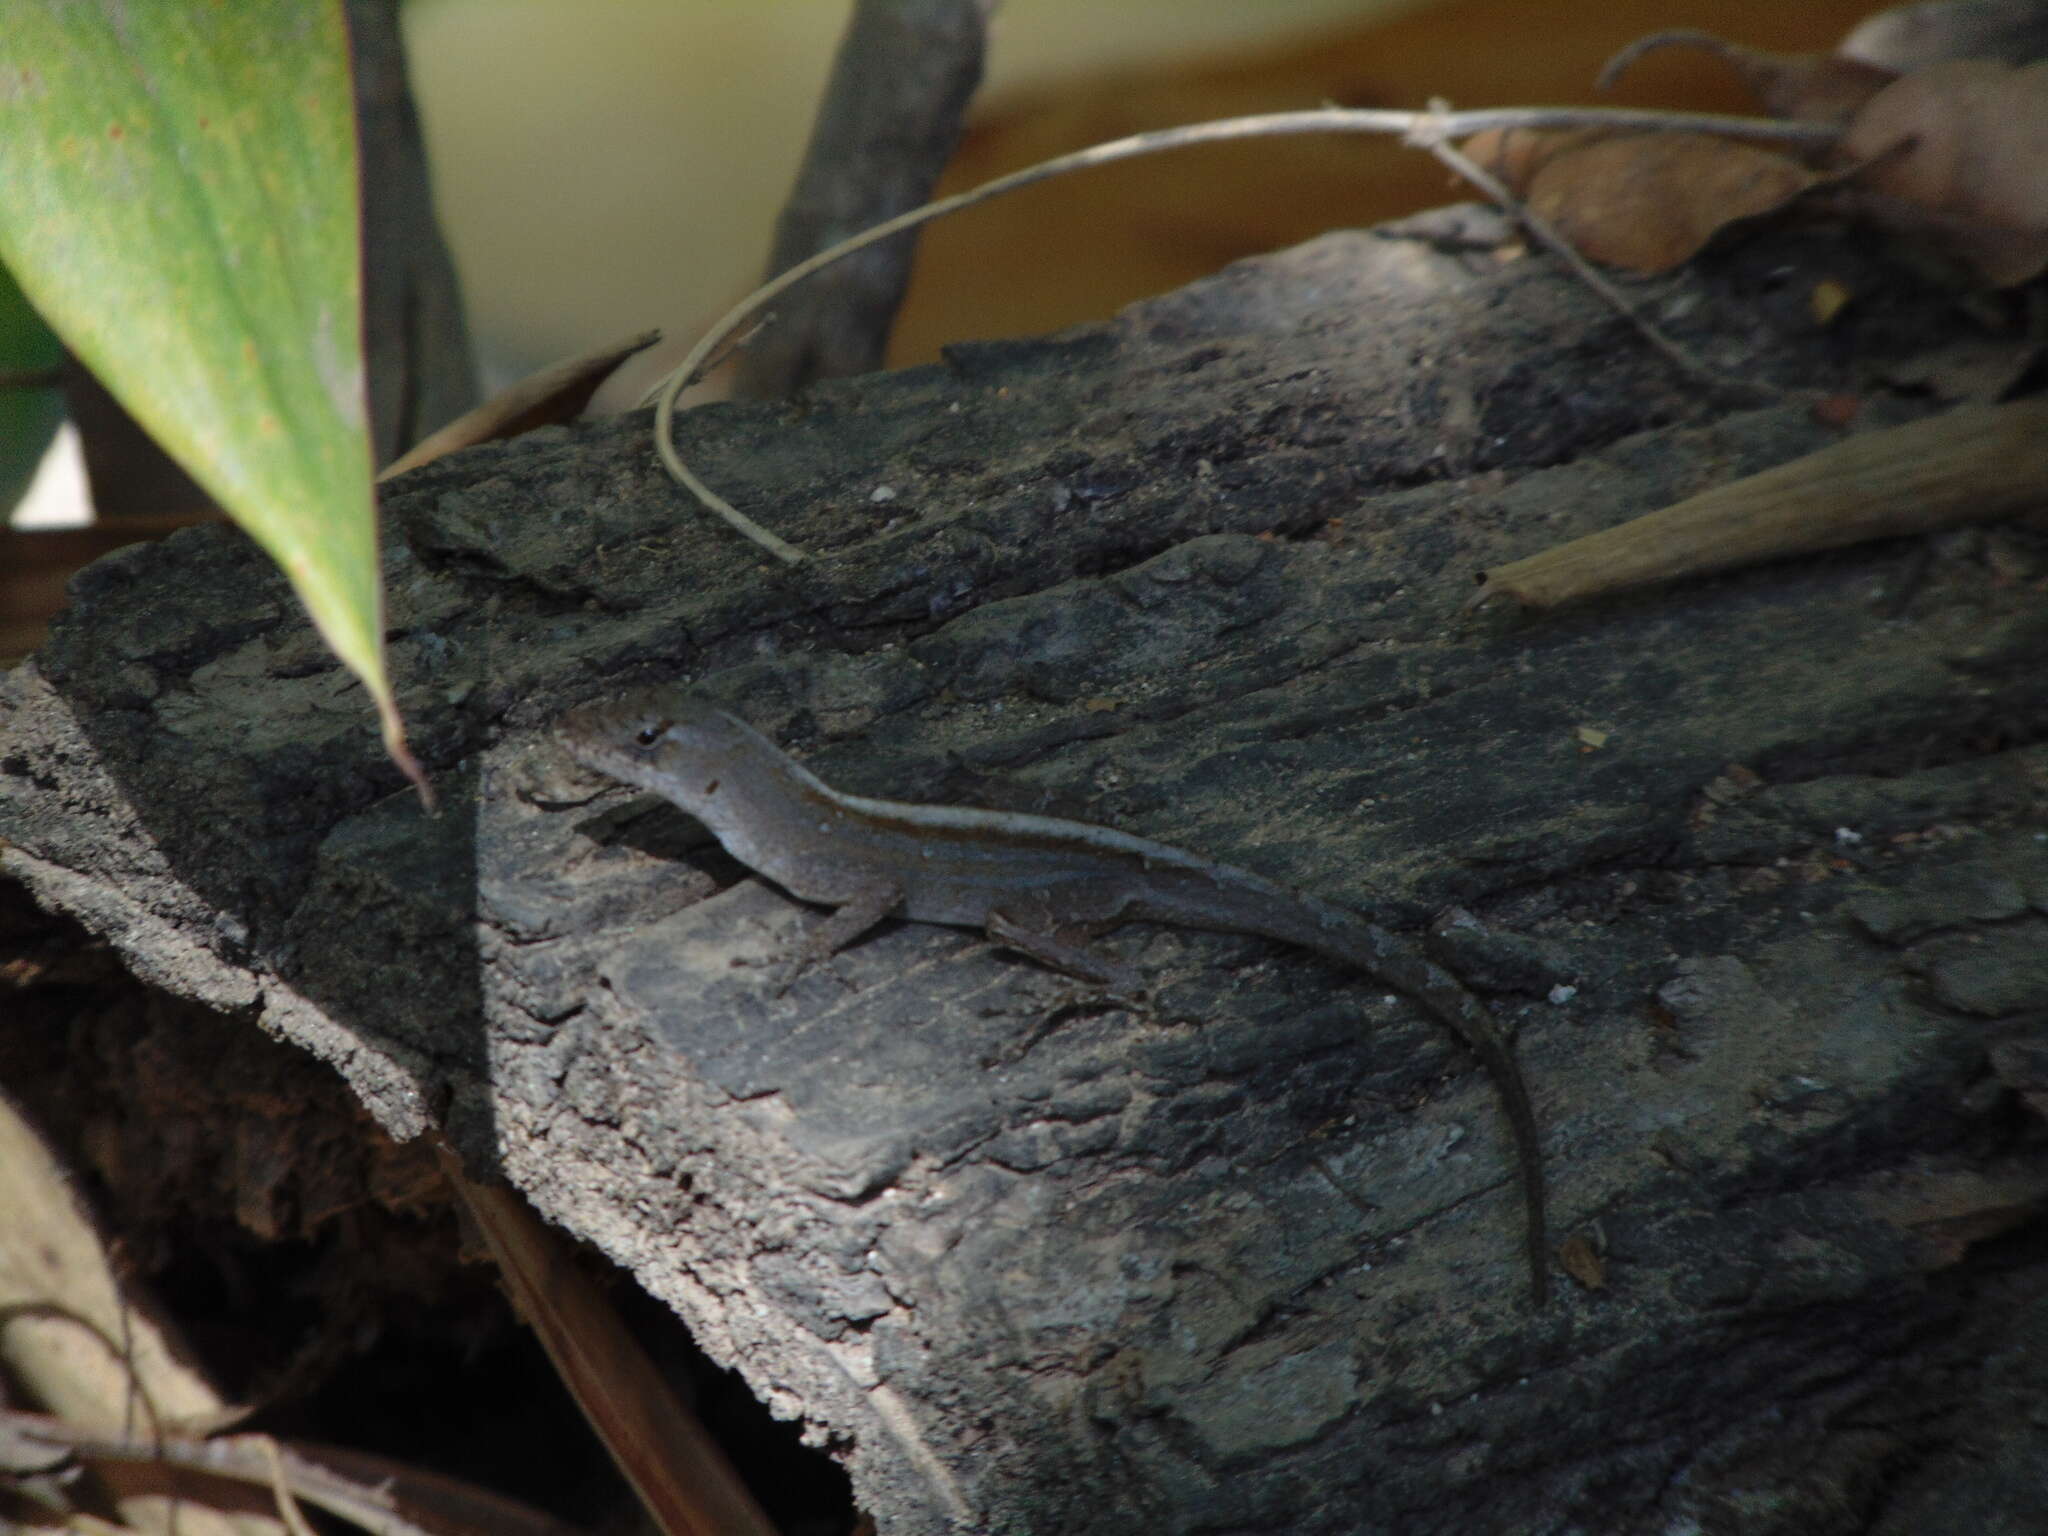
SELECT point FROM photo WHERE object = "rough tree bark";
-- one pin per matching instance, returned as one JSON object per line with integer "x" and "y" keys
{"x": 1034, "y": 1263}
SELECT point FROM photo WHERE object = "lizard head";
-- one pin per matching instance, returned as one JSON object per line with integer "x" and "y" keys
{"x": 661, "y": 739}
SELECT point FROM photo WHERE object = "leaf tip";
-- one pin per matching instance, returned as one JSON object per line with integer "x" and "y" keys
{"x": 401, "y": 755}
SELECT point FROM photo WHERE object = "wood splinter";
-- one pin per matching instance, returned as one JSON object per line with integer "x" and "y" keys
{"x": 1976, "y": 463}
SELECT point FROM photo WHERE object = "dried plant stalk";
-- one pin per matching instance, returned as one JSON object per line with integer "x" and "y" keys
{"x": 557, "y": 393}
{"x": 1435, "y": 126}
{"x": 682, "y": 1477}
{"x": 1974, "y": 464}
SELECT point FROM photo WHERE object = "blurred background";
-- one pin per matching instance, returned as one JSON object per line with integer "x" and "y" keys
{"x": 603, "y": 166}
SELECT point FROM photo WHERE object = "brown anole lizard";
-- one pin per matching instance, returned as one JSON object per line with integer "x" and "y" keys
{"x": 1040, "y": 884}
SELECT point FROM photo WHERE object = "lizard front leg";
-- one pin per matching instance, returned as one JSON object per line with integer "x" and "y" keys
{"x": 854, "y": 917}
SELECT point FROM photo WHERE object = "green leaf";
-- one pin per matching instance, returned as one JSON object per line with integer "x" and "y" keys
{"x": 28, "y": 417}
{"x": 181, "y": 206}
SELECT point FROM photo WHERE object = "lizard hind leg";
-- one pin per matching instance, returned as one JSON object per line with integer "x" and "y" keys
{"x": 1062, "y": 947}
{"x": 1028, "y": 924}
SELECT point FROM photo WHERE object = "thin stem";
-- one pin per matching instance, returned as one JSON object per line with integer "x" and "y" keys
{"x": 1540, "y": 228}
{"x": 1430, "y": 125}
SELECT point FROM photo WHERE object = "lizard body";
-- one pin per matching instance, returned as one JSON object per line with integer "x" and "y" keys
{"x": 1028, "y": 881}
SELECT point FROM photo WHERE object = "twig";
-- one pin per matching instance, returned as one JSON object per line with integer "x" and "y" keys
{"x": 887, "y": 125}
{"x": 1974, "y": 464}
{"x": 1267, "y": 125}
{"x": 682, "y": 1477}
{"x": 1678, "y": 37}
{"x": 281, "y": 1489}
{"x": 1430, "y": 135}
{"x": 733, "y": 345}
{"x": 251, "y": 1459}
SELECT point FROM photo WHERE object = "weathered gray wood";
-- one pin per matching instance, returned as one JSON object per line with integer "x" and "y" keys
{"x": 1249, "y": 1262}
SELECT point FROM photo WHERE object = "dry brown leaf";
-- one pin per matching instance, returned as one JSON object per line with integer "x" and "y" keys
{"x": 1643, "y": 201}
{"x": 557, "y": 393}
{"x": 1515, "y": 155}
{"x": 1648, "y": 202}
{"x": 1581, "y": 1260}
{"x": 1961, "y": 150}
{"x": 1958, "y": 151}
{"x": 1809, "y": 87}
